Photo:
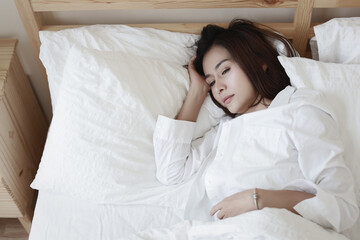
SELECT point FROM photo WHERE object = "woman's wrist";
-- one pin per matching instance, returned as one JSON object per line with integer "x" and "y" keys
{"x": 255, "y": 201}
{"x": 192, "y": 105}
{"x": 260, "y": 198}
{"x": 256, "y": 197}
{"x": 199, "y": 89}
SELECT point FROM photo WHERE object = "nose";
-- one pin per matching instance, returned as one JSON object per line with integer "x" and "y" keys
{"x": 219, "y": 86}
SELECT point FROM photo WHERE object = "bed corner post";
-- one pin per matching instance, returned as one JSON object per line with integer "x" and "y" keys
{"x": 302, "y": 20}
{"x": 32, "y": 23}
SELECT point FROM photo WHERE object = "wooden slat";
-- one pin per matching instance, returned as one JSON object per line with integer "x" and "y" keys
{"x": 80, "y": 5}
{"x": 285, "y": 28}
{"x": 32, "y": 23}
{"x": 302, "y": 21}
{"x": 194, "y": 28}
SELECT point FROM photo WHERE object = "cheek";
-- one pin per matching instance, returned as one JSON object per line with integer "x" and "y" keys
{"x": 216, "y": 96}
{"x": 213, "y": 91}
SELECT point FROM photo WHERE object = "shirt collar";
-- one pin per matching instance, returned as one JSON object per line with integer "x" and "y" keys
{"x": 283, "y": 97}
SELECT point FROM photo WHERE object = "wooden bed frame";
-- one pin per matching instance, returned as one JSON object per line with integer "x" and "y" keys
{"x": 300, "y": 30}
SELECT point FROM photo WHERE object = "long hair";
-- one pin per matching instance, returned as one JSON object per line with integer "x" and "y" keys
{"x": 252, "y": 48}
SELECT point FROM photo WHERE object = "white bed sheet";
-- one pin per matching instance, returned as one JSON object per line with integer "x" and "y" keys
{"x": 59, "y": 217}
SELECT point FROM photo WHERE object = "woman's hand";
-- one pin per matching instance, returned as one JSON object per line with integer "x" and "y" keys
{"x": 196, "y": 80}
{"x": 234, "y": 205}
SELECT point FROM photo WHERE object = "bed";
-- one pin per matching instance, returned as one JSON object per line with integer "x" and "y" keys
{"x": 96, "y": 179}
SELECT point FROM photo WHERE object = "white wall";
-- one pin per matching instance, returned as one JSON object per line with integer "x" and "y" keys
{"x": 11, "y": 27}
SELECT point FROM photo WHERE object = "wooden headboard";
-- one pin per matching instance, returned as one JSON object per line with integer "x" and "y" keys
{"x": 299, "y": 30}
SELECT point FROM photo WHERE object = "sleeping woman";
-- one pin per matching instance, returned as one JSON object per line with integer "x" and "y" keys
{"x": 279, "y": 147}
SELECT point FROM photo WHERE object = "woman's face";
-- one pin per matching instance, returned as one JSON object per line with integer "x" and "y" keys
{"x": 229, "y": 84}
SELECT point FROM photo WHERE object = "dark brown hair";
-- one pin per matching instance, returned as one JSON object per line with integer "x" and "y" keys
{"x": 252, "y": 48}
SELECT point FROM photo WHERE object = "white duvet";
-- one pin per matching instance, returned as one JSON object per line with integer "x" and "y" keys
{"x": 266, "y": 224}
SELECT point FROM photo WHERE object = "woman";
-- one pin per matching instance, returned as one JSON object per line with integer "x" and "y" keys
{"x": 281, "y": 148}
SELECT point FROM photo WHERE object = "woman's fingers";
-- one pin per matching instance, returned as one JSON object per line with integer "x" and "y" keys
{"x": 217, "y": 207}
{"x": 191, "y": 62}
{"x": 220, "y": 213}
{"x": 214, "y": 209}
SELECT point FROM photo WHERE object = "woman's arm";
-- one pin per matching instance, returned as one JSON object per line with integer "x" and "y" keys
{"x": 281, "y": 198}
{"x": 195, "y": 97}
{"x": 177, "y": 155}
{"x": 243, "y": 201}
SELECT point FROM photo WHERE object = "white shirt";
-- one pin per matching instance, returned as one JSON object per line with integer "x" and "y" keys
{"x": 294, "y": 145}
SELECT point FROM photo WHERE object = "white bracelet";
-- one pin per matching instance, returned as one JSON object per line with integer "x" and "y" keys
{"x": 256, "y": 197}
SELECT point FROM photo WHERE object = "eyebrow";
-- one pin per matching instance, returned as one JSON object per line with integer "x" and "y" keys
{"x": 217, "y": 66}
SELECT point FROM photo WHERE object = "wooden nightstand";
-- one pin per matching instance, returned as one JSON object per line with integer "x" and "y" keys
{"x": 23, "y": 130}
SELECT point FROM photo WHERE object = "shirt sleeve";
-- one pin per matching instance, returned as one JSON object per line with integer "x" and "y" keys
{"x": 177, "y": 155}
{"x": 326, "y": 175}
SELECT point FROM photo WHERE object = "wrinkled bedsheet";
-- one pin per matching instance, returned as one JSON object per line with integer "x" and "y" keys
{"x": 266, "y": 224}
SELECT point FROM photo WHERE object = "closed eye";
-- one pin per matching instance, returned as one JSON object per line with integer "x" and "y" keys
{"x": 212, "y": 83}
{"x": 225, "y": 71}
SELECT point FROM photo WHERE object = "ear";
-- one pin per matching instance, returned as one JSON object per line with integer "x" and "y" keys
{"x": 264, "y": 67}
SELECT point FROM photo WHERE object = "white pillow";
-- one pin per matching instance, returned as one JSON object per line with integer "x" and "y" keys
{"x": 338, "y": 40}
{"x": 146, "y": 42}
{"x": 99, "y": 145}
{"x": 340, "y": 84}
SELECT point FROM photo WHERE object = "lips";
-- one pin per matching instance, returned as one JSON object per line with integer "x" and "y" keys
{"x": 227, "y": 99}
